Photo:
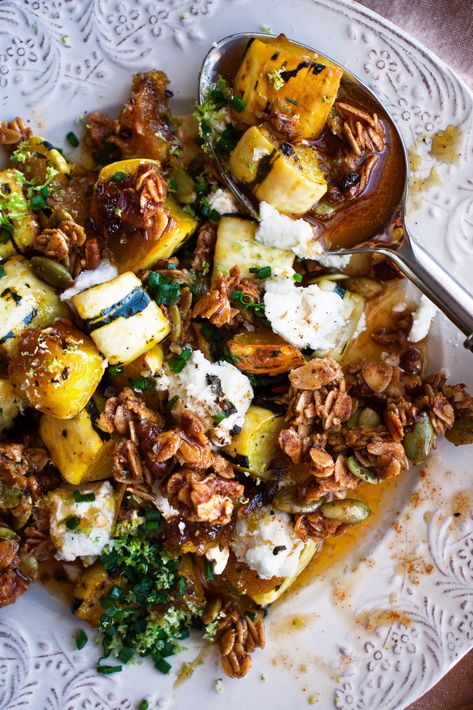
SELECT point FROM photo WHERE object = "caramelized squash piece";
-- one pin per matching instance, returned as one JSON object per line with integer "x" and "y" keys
{"x": 277, "y": 76}
{"x": 256, "y": 445}
{"x": 291, "y": 181}
{"x": 56, "y": 370}
{"x": 264, "y": 353}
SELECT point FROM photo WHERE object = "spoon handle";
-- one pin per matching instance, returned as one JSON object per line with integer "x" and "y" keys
{"x": 437, "y": 284}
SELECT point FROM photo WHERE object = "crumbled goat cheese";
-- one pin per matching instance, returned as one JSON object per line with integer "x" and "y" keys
{"x": 423, "y": 317}
{"x": 266, "y": 542}
{"x": 211, "y": 391}
{"x": 306, "y": 317}
{"x": 94, "y": 528}
{"x": 182, "y": 526}
{"x": 278, "y": 230}
{"x": 222, "y": 201}
{"x": 162, "y": 504}
{"x": 218, "y": 557}
{"x": 105, "y": 271}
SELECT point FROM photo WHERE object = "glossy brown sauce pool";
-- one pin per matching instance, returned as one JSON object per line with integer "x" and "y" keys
{"x": 55, "y": 577}
{"x": 365, "y": 217}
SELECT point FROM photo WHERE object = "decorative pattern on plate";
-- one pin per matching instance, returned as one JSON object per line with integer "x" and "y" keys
{"x": 411, "y": 605}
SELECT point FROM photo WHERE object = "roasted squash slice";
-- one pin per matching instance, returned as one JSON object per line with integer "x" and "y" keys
{"x": 275, "y": 75}
{"x": 256, "y": 445}
{"x": 264, "y": 353}
{"x": 287, "y": 177}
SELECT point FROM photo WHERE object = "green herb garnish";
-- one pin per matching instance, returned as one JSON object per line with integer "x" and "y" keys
{"x": 176, "y": 363}
{"x": 83, "y": 497}
{"x": 73, "y": 139}
{"x": 72, "y": 522}
{"x": 165, "y": 290}
{"x": 108, "y": 670}
{"x": 118, "y": 177}
{"x": 261, "y": 273}
{"x": 81, "y": 639}
{"x": 143, "y": 384}
{"x": 115, "y": 370}
{"x": 238, "y": 104}
{"x": 208, "y": 571}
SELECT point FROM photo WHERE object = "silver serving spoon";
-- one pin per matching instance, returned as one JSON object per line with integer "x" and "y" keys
{"x": 393, "y": 240}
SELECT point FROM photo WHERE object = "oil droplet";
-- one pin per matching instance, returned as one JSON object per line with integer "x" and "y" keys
{"x": 415, "y": 160}
{"x": 446, "y": 145}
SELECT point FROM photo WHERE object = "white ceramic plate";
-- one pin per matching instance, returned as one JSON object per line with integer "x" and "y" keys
{"x": 391, "y": 617}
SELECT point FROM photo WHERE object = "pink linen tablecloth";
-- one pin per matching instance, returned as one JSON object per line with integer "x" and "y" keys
{"x": 446, "y": 28}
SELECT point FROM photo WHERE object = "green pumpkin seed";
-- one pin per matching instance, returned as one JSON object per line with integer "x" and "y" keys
{"x": 348, "y": 511}
{"x": 368, "y": 288}
{"x": 184, "y": 187}
{"x": 287, "y": 500}
{"x": 29, "y": 566}
{"x": 369, "y": 418}
{"x": 59, "y": 215}
{"x": 353, "y": 420}
{"x": 10, "y": 495}
{"x": 212, "y": 610}
{"x": 461, "y": 432}
{"x": 361, "y": 472}
{"x": 51, "y": 272}
{"x": 419, "y": 441}
{"x": 6, "y": 533}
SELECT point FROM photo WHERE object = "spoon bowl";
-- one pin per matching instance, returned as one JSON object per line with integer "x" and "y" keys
{"x": 383, "y": 231}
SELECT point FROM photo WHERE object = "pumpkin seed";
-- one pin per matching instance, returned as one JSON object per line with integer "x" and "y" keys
{"x": 369, "y": 418}
{"x": 184, "y": 187}
{"x": 59, "y": 215}
{"x": 461, "y": 432}
{"x": 176, "y": 322}
{"x": 361, "y": 472}
{"x": 353, "y": 420}
{"x": 6, "y": 533}
{"x": 212, "y": 610}
{"x": 419, "y": 441}
{"x": 286, "y": 499}
{"x": 28, "y": 566}
{"x": 51, "y": 272}
{"x": 10, "y": 495}
{"x": 348, "y": 511}
{"x": 368, "y": 288}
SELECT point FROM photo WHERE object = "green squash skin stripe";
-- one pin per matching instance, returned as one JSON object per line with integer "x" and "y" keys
{"x": 133, "y": 303}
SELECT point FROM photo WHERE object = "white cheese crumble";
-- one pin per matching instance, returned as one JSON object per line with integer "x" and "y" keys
{"x": 218, "y": 393}
{"x": 306, "y": 317}
{"x": 266, "y": 542}
{"x": 94, "y": 521}
{"x": 423, "y": 317}
{"x": 220, "y": 119}
{"x": 222, "y": 201}
{"x": 219, "y": 558}
{"x": 163, "y": 505}
{"x": 278, "y": 230}
{"x": 105, "y": 271}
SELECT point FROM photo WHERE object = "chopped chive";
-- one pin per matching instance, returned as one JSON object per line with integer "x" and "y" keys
{"x": 143, "y": 384}
{"x": 83, "y": 497}
{"x": 297, "y": 278}
{"x": 115, "y": 370}
{"x": 125, "y": 655}
{"x": 172, "y": 402}
{"x": 209, "y": 332}
{"x": 172, "y": 185}
{"x": 209, "y": 572}
{"x": 115, "y": 592}
{"x": 162, "y": 665}
{"x": 118, "y": 177}
{"x": 144, "y": 705}
{"x": 176, "y": 363}
{"x": 72, "y": 522}
{"x": 237, "y": 103}
{"x": 81, "y": 639}
{"x": 73, "y": 139}
{"x": 251, "y": 615}
{"x": 153, "y": 520}
{"x": 108, "y": 670}
{"x": 182, "y": 587}
{"x": 219, "y": 417}
{"x": 2, "y": 270}
{"x": 261, "y": 273}
{"x": 38, "y": 202}
{"x": 292, "y": 101}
